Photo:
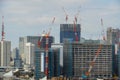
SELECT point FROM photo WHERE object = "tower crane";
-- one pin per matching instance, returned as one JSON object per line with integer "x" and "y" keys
{"x": 46, "y": 49}
{"x": 76, "y": 16}
{"x": 40, "y": 39}
{"x": 43, "y": 34}
{"x": 96, "y": 55}
{"x": 75, "y": 22}
{"x": 66, "y": 15}
{"x": 3, "y": 33}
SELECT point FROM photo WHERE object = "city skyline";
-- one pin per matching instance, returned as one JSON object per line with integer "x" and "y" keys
{"x": 25, "y": 18}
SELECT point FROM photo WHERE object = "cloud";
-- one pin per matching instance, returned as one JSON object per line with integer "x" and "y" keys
{"x": 111, "y": 10}
{"x": 33, "y": 16}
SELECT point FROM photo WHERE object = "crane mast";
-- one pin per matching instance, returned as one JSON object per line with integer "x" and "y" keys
{"x": 47, "y": 49}
{"x": 75, "y": 32}
{"x": 75, "y": 22}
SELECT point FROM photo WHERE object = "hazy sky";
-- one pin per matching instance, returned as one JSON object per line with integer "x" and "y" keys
{"x": 31, "y": 17}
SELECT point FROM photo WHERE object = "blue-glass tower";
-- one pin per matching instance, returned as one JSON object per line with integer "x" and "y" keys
{"x": 38, "y": 73}
{"x": 17, "y": 59}
{"x": 54, "y": 63}
{"x": 67, "y": 31}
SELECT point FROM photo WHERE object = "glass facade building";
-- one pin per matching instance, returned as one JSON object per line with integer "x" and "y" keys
{"x": 39, "y": 73}
{"x": 17, "y": 59}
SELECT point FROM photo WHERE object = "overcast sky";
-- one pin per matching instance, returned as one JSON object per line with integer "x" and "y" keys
{"x": 31, "y": 17}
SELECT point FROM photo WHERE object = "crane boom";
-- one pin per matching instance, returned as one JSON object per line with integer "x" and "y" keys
{"x": 97, "y": 53}
{"x": 76, "y": 16}
{"x": 40, "y": 39}
{"x": 53, "y": 20}
{"x": 92, "y": 63}
{"x": 66, "y": 15}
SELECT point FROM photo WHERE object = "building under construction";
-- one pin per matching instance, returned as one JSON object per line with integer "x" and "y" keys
{"x": 78, "y": 57}
{"x": 70, "y": 31}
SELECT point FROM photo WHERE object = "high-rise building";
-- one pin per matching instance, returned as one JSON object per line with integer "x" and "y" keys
{"x": 17, "y": 59}
{"x": 21, "y": 45}
{"x": 70, "y": 31}
{"x": 33, "y": 40}
{"x": 78, "y": 57}
{"x": 51, "y": 65}
{"x": 57, "y": 67}
{"x": 54, "y": 63}
{"x": 113, "y": 35}
{"x": 57, "y": 50}
{"x": 30, "y": 52}
{"x": 39, "y": 64}
{"x": 119, "y": 62}
{"x": 15, "y": 53}
{"x": 5, "y": 51}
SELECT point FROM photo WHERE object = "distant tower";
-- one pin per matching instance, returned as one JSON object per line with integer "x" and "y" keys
{"x": 3, "y": 33}
{"x": 5, "y": 48}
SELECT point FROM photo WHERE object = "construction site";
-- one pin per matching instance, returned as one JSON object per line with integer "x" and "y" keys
{"x": 91, "y": 60}
{"x": 87, "y": 60}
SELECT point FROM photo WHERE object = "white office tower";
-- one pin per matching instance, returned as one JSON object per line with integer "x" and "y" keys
{"x": 5, "y": 51}
{"x": 29, "y": 53}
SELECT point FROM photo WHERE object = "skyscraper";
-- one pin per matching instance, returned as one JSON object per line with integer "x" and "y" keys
{"x": 30, "y": 52}
{"x": 15, "y": 53}
{"x": 39, "y": 61}
{"x": 57, "y": 49}
{"x": 21, "y": 45}
{"x": 113, "y": 37}
{"x": 70, "y": 31}
{"x": 17, "y": 59}
{"x": 5, "y": 51}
